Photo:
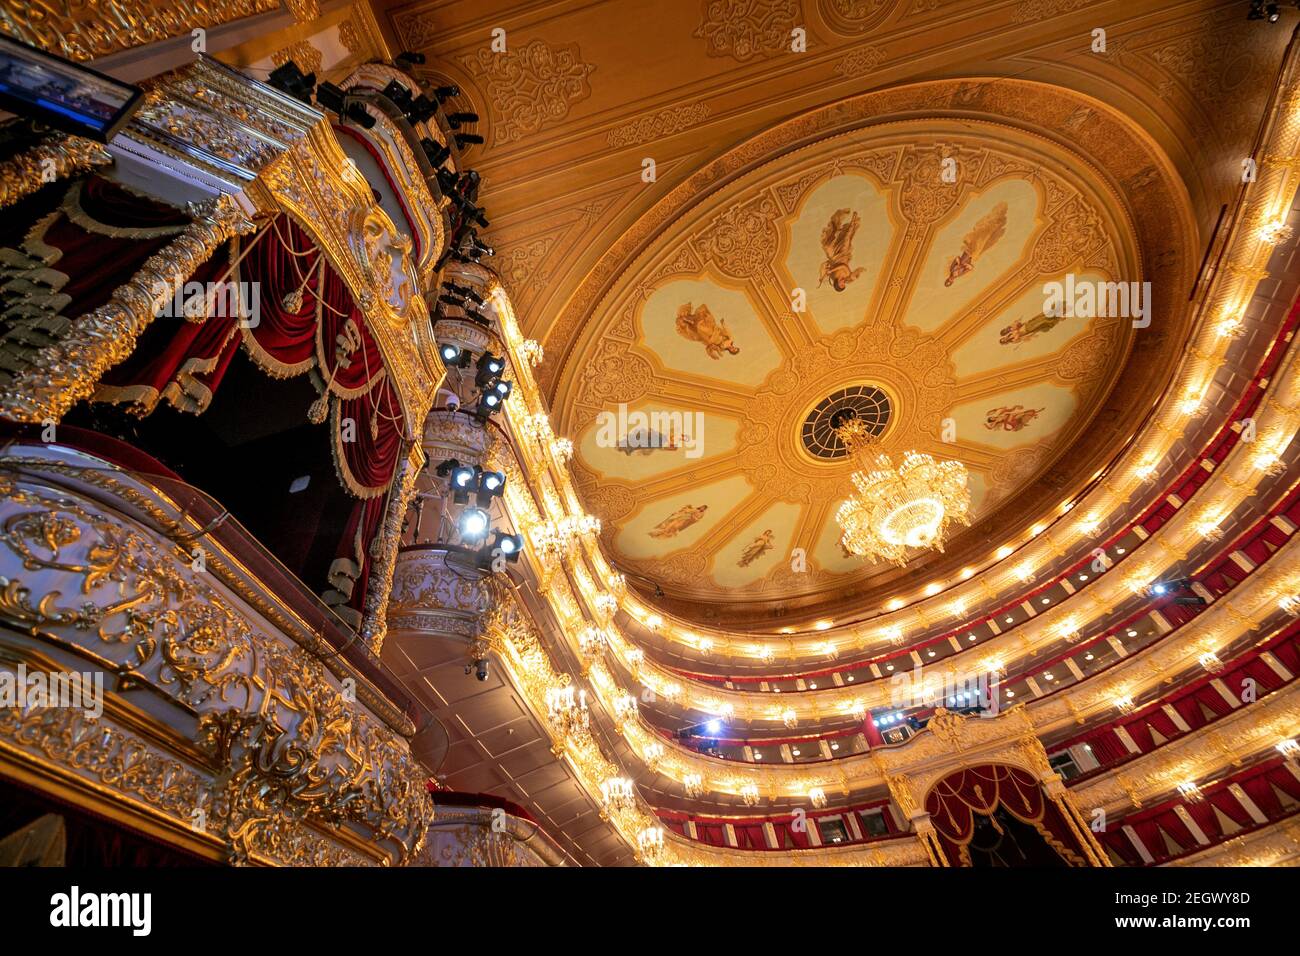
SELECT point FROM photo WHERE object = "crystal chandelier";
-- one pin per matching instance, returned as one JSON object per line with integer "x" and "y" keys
{"x": 567, "y": 709}
{"x": 650, "y": 842}
{"x": 617, "y": 793}
{"x": 898, "y": 509}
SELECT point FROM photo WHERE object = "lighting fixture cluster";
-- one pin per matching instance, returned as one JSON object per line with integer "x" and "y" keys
{"x": 567, "y": 709}
{"x": 474, "y": 524}
{"x": 493, "y": 390}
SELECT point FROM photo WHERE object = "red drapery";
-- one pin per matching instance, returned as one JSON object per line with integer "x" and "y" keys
{"x": 82, "y": 240}
{"x": 1165, "y": 835}
{"x": 297, "y": 316}
{"x": 954, "y": 801}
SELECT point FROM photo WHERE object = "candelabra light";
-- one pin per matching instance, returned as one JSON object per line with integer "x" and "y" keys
{"x": 1189, "y": 791}
{"x": 650, "y": 843}
{"x": 617, "y": 793}
{"x": 898, "y": 509}
{"x": 567, "y": 708}
{"x": 590, "y": 642}
{"x": 693, "y": 784}
{"x": 625, "y": 707}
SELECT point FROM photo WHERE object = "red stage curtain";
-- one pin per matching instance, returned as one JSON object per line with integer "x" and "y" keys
{"x": 954, "y": 801}
{"x": 1230, "y": 806}
{"x": 304, "y": 319}
{"x": 100, "y": 235}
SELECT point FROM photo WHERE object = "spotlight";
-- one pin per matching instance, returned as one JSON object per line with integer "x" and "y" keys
{"x": 465, "y": 139}
{"x": 464, "y": 479}
{"x": 446, "y": 92}
{"x": 502, "y": 389}
{"x": 422, "y": 109}
{"x": 488, "y": 404}
{"x": 454, "y": 357}
{"x": 465, "y": 292}
{"x": 479, "y": 667}
{"x": 291, "y": 80}
{"x": 408, "y": 58}
{"x": 474, "y": 524}
{"x": 490, "y": 485}
{"x": 490, "y": 368}
{"x": 436, "y": 154}
{"x": 509, "y": 545}
{"x": 359, "y": 115}
{"x": 713, "y": 726}
{"x": 454, "y": 120}
{"x": 446, "y": 180}
{"x": 399, "y": 95}
{"x": 332, "y": 97}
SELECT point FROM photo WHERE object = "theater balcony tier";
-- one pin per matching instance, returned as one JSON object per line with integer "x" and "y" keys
{"x": 238, "y": 721}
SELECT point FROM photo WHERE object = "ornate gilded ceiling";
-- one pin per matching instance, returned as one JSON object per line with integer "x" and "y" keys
{"x": 675, "y": 294}
{"x": 924, "y": 304}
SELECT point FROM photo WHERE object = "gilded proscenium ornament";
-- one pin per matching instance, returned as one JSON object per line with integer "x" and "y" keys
{"x": 374, "y": 621}
{"x": 53, "y": 159}
{"x": 326, "y": 193}
{"x": 298, "y": 749}
{"x": 68, "y": 371}
{"x": 85, "y": 31}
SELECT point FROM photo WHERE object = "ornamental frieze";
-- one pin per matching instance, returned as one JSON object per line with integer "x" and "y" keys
{"x": 298, "y": 749}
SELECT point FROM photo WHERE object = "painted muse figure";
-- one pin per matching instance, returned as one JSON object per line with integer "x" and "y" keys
{"x": 983, "y": 236}
{"x": 699, "y": 325}
{"x": 837, "y": 243}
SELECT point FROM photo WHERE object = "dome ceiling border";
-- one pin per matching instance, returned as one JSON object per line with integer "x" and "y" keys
{"x": 1147, "y": 199}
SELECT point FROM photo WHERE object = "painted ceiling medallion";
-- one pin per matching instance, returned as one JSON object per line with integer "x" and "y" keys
{"x": 844, "y": 277}
{"x": 868, "y": 405}
{"x": 898, "y": 509}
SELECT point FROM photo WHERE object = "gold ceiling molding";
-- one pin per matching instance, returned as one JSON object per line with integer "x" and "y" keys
{"x": 530, "y": 86}
{"x": 749, "y": 29}
{"x": 361, "y": 35}
{"x": 645, "y": 129}
{"x": 852, "y": 18}
{"x": 745, "y": 233}
{"x": 1109, "y": 142}
{"x": 85, "y": 31}
{"x": 301, "y": 52}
